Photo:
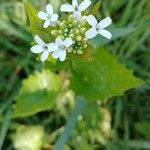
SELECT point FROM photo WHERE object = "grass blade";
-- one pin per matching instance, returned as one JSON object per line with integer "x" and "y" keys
{"x": 70, "y": 124}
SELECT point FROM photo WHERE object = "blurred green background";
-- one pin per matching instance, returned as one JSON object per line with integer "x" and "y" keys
{"x": 117, "y": 124}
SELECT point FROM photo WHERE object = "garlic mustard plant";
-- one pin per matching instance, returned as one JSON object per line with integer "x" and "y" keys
{"x": 71, "y": 33}
{"x": 72, "y": 62}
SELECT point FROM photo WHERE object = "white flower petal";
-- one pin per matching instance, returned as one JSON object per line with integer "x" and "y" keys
{"x": 56, "y": 54}
{"x": 44, "y": 56}
{"x": 105, "y": 22}
{"x": 42, "y": 15}
{"x": 54, "y": 17}
{"x": 59, "y": 41}
{"x": 39, "y": 40}
{"x": 84, "y": 5}
{"x": 68, "y": 42}
{"x": 52, "y": 47}
{"x": 49, "y": 9}
{"x": 105, "y": 33}
{"x": 74, "y": 2}
{"x": 92, "y": 20}
{"x": 62, "y": 56}
{"x": 46, "y": 24}
{"x": 91, "y": 33}
{"x": 37, "y": 49}
{"x": 66, "y": 8}
{"x": 77, "y": 15}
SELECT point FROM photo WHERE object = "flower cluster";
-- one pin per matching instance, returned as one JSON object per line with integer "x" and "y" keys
{"x": 72, "y": 34}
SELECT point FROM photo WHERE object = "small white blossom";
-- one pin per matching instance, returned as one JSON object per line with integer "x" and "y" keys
{"x": 61, "y": 48}
{"x": 98, "y": 28}
{"x": 43, "y": 48}
{"x": 49, "y": 17}
{"x": 76, "y": 8}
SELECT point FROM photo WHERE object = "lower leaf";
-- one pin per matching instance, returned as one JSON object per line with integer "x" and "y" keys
{"x": 37, "y": 93}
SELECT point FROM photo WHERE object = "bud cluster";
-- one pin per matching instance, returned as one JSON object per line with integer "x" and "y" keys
{"x": 76, "y": 31}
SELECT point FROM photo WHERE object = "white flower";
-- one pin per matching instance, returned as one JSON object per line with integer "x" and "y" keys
{"x": 49, "y": 17}
{"x": 75, "y": 8}
{"x": 61, "y": 48}
{"x": 98, "y": 28}
{"x": 43, "y": 48}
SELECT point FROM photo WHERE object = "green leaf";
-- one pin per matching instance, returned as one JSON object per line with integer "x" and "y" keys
{"x": 116, "y": 33}
{"x": 95, "y": 8}
{"x": 101, "y": 78}
{"x": 37, "y": 93}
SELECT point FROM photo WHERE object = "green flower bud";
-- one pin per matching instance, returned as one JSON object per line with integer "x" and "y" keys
{"x": 77, "y": 32}
{"x": 79, "y": 52}
{"x": 75, "y": 22}
{"x": 72, "y": 30}
{"x": 61, "y": 25}
{"x": 74, "y": 52}
{"x": 66, "y": 35}
{"x": 79, "y": 26}
{"x": 79, "y": 44}
{"x": 85, "y": 46}
{"x": 66, "y": 30}
{"x": 79, "y": 38}
{"x": 80, "y": 47}
{"x": 85, "y": 40}
{"x": 55, "y": 32}
{"x": 70, "y": 50}
{"x": 72, "y": 36}
{"x": 62, "y": 37}
{"x": 60, "y": 32}
{"x": 70, "y": 25}
{"x": 71, "y": 18}
{"x": 64, "y": 22}
{"x": 82, "y": 30}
